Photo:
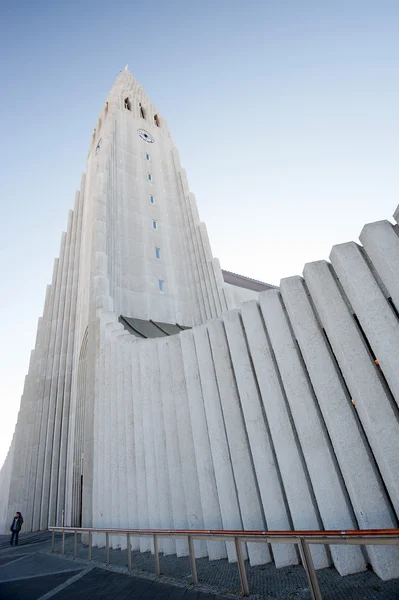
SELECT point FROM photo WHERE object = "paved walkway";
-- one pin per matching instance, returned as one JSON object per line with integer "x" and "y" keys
{"x": 29, "y": 572}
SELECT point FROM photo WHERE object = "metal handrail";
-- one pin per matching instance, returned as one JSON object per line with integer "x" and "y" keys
{"x": 303, "y": 538}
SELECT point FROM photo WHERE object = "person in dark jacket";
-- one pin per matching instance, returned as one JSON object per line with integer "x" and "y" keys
{"x": 16, "y": 527}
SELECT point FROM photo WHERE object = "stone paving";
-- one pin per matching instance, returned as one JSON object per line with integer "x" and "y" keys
{"x": 30, "y": 572}
{"x": 267, "y": 582}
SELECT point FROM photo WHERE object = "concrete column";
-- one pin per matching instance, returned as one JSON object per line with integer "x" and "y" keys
{"x": 327, "y": 482}
{"x": 38, "y": 391}
{"x": 203, "y": 456}
{"x": 167, "y": 545}
{"x": 245, "y": 480}
{"x": 5, "y": 480}
{"x": 102, "y": 429}
{"x": 172, "y": 445}
{"x": 371, "y": 403}
{"x": 208, "y": 258}
{"x": 381, "y": 243}
{"x": 292, "y": 467}
{"x": 110, "y": 411}
{"x": 204, "y": 273}
{"x": 42, "y": 423}
{"x": 24, "y": 439}
{"x": 109, "y": 431}
{"x": 266, "y": 468}
{"x": 39, "y": 523}
{"x": 34, "y": 376}
{"x": 344, "y": 429}
{"x": 16, "y": 496}
{"x": 376, "y": 316}
{"x": 199, "y": 307}
{"x": 195, "y": 517}
{"x": 63, "y": 484}
{"x": 139, "y": 446}
{"x": 192, "y": 274}
{"x": 146, "y": 375}
{"x": 116, "y": 425}
{"x": 59, "y": 390}
{"x": 226, "y": 487}
{"x": 122, "y": 442}
{"x": 47, "y": 518}
{"x": 97, "y": 429}
{"x": 131, "y": 500}
{"x": 202, "y": 283}
{"x": 219, "y": 283}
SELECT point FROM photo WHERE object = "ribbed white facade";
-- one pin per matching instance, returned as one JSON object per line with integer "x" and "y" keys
{"x": 271, "y": 414}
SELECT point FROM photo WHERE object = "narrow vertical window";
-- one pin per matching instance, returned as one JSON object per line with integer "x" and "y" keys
{"x": 152, "y": 199}
{"x": 141, "y": 110}
{"x": 128, "y": 104}
{"x": 154, "y": 224}
{"x": 161, "y": 285}
{"x": 147, "y": 156}
{"x": 156, "y": 120}
{"x": 158, "y": 252}
{"x": 149, "y": 176}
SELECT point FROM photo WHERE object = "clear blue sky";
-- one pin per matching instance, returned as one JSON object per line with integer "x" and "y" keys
{"x": 285, "y": 114}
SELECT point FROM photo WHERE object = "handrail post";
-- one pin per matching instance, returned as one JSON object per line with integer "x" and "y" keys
{"x": 107, "y": 549}
{"x": 90, "y": 544}
{"x": 53, "y": 542}
{"x": 156, "y": 556}
{"x": 75, "y": 545}
{"x": 241, "y": 568}
{"x": 192, "y": 560}
{"x": 63, "y": 542}
{"x": 129, "y": 552}
{"x": 307, "y": 561}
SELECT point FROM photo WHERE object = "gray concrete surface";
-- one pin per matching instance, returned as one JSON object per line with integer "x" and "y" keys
{"x": 30, "y": 572}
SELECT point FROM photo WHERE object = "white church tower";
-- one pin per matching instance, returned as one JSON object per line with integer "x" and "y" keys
{"x": 157, "y": 398}
{"x": 135, "y": 247}
{"x": 150, "y": 247}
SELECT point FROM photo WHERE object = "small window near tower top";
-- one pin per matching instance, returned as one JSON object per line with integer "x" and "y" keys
{"x": 156, "y": 120}
{"x": 154, "y": 224}
{"x": 141, "y": 110}
{"x": 161, "y": 285}
{"x": 98, "y": 146}
{"x": 147, "y": 156}
{"x": 158, "y": 252}
{"x": 149, "y": 176}
{"x": 152, "y": 199}
{"x": 128, "y": 104}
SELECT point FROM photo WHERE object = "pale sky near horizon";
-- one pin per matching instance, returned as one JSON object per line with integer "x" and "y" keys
{"x": 285, "y": 114}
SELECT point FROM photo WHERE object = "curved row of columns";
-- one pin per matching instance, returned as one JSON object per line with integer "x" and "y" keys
{"x": 273, "y": 416}
{"x": 282, "y": 414}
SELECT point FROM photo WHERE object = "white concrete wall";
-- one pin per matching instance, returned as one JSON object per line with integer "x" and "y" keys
{"x": 253, "y": 426}
{"x": 258, "y": 417}
{"x": 273, "y": 415}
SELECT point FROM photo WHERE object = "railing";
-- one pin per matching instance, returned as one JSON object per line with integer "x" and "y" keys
{"x": 302, "y": 538}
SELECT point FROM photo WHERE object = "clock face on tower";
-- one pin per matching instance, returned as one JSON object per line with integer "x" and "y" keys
{"x": 145, "y": 135}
